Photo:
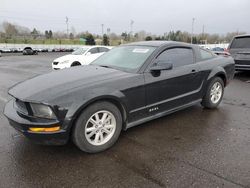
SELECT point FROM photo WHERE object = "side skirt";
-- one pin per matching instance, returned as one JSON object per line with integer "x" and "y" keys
{"x": 155, "y": 116}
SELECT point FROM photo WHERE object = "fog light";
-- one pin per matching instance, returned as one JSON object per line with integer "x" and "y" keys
{"x": 39, "y": 129}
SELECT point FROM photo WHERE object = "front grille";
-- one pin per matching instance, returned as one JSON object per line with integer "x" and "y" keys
{"x": 21, "y": 107}
{"x": 55, "y": 63}
{"x": 242, "y": 62}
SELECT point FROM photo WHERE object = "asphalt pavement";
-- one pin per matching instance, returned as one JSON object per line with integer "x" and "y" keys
{"x": 194, "y": 147}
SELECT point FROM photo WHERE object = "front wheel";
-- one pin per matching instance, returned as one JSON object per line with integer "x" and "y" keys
{"x": 214, "y": 93}
{"x": 98, "y": 127}
{"x": 76, "y": 63}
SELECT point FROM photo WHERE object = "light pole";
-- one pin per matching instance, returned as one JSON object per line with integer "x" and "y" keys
{"x": 131, "y": 26}
{"x": 193, "y": 19}
{"x": 203, "y": 35}
{"x": 102, "y": 29}
{"x": 131, "y": 30}
{"x": 102, "y": 32}
{"x": 67, "y": 23}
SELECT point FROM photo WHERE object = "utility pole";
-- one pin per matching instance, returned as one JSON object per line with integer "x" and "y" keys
{"x": 170, "y": 28}
{"x": 108, "y": 34}
{"x": 108, "y": 31}
{"x": 67, "y": 23}
{"x": 131, "y": 26}
{"x": 131, "y": 30}
{"x": 102, "y": 25}
{"x": 203, "y": 30}
{"x": 102, "y": 29}
{"x": 204, "y": 40}
{"x": 193, "y": 19}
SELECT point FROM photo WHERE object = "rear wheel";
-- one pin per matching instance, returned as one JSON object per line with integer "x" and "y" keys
{"x": 214, "y": 93}
{"x": 98, "y": 127}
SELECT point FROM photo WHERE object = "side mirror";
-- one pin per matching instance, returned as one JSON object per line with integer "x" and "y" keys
{"x": 88, "y": 53}
{"x": 161, "y": 66}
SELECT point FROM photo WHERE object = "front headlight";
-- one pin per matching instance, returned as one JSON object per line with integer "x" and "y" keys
{"x": 64, "y": 62}
{"x": 43, "y": 111}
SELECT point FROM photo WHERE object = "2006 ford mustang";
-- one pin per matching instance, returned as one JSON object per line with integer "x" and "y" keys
{"x": 127, "y": 86}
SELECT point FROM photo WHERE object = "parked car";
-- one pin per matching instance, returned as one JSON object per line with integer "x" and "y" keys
{"x": 223, "y": 53}
{"x": 14, "y": 50}
{"x": 45, "y": 50}
{"x": 129, "y": 85}
{"x": 239, "y": 48}
{"x": 20, "y": 50}
{"x": 6, "y": 50}
{"x": 218, "y": 49}
{"x": 29, "y": 51}
{"x": 82, "y": 56}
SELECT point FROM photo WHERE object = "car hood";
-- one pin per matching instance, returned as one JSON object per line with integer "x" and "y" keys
{"x": 45, "y": 88}
{"x": 68, "y": 57}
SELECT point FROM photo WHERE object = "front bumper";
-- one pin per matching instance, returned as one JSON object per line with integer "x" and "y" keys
{"x": 22, "y": 124}
{"x": 242, "y": 64}
{"x": 60, "y": 66}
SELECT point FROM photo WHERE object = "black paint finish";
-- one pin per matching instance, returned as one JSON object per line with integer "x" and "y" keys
{"x": 140, "y": 96}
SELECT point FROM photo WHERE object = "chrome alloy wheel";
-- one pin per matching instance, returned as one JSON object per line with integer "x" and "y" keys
{"x": 100, "y": 127}
{"x": 216, "y": 92}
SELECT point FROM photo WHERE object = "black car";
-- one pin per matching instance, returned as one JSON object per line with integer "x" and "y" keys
{"x": 239, "y": 49}
{"x": 127, "y": 86}
{"x": 29, "y": 51}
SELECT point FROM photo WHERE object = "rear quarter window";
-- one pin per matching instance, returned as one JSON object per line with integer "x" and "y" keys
{"x": 205, "y": 55}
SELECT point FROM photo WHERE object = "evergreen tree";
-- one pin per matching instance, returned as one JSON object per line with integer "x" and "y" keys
{"x": 105, "y": 40}
{"x": 46, "y": 34}
{"x": 148, "y": 38}
{"x": 71, "y": 36}
{"x": 34, "y": 33}
{"x": 50, "y": 34}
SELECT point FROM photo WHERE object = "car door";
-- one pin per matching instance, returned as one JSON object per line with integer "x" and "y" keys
{"x": 176, "y": 87}
{"x": 91, "y": 55}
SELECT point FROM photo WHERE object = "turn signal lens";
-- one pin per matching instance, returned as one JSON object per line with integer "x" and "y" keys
{"x": 38, "y": 129}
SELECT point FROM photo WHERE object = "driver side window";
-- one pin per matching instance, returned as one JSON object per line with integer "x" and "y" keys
{"x": 177, "y": 56}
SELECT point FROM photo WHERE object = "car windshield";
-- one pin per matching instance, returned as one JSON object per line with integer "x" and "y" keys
{"x": 241, "y": 42}
{"x": 80, "y": 51}
{"x": 126, "y": 58}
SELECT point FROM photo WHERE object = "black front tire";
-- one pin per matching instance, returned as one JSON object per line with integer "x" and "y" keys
{"x": 207, "y": 101}
{"x": 76, "y": 63}
{"x": 79, "y": 136}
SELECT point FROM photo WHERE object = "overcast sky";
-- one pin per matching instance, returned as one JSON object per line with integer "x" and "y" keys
{"x": 154, "y": 16}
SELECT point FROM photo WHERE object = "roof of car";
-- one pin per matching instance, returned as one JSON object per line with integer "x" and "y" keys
{"x": 94, "y": 46}
{"x": 27, "y": 48}
{"x": 155, "y": 43}
{"x": 245, "y": 35}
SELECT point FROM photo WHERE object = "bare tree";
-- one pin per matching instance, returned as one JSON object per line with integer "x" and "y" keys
{"x": 10, "y": 29}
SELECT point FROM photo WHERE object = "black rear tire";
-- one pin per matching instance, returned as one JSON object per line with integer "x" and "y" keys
{"x": 79, "y": 135}
{"x": 208, "y": 101}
